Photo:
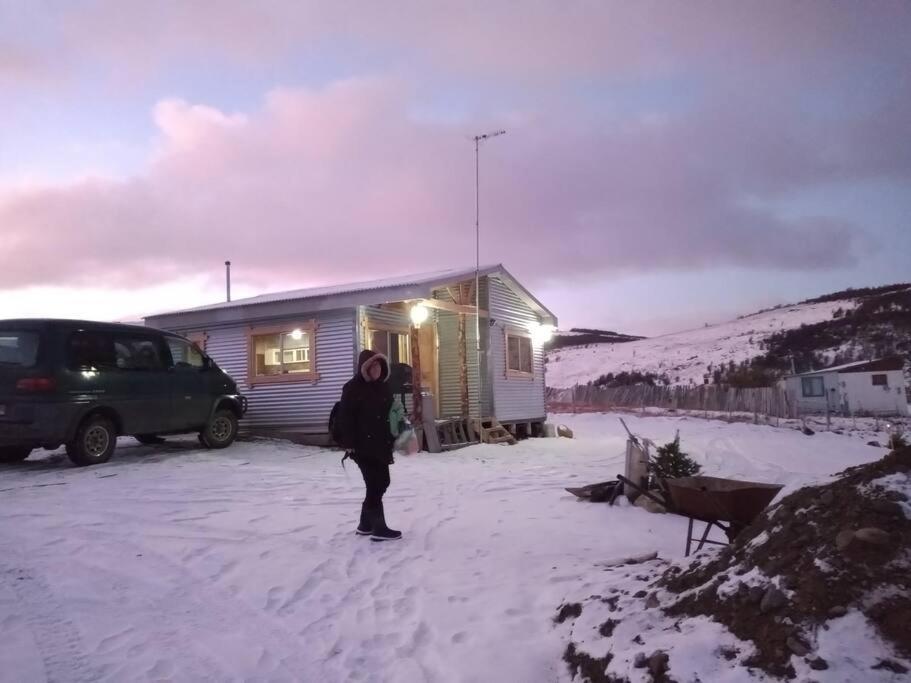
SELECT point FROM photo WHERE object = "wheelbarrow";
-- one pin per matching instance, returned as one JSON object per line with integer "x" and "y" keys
{"x": 729, "y": 504}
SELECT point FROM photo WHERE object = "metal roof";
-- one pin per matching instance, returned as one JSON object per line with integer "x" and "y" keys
{"x": 876, "y": 365}
{"x": 430, "y": 280}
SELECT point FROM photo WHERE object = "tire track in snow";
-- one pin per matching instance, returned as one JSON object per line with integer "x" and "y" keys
{"x": 57, "y": 638}
{"x": 205, "y": 608}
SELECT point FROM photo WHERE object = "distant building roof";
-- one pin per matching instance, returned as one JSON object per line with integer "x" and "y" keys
{"x": 878, "y": 365}
{"x": 380, "y": 288}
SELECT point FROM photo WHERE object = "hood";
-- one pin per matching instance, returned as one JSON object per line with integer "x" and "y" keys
{"x": 367, "y": 359}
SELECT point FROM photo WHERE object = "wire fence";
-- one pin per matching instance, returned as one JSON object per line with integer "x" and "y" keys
{"x": 712, "y": 398}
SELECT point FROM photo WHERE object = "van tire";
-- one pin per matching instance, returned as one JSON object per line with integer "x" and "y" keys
{"x": 14, "y": 453}
{"x": 95, "y": 442}
{"x": 221, "y": 430}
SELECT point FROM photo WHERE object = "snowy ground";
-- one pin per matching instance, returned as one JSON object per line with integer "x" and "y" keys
{"x": 172, "y": 563}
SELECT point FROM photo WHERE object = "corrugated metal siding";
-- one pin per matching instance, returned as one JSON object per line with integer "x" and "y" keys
{"x": 449, "y": 365}
{"x": 514, "y": 399}
{"x": 384, "y": 318}
{"x": 299, "y": 406}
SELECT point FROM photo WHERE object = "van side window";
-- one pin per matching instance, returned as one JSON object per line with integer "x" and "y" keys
{"x": 184, "y": 354}
{"x": 90, "y": 350}
{"x": 134, "y": 353}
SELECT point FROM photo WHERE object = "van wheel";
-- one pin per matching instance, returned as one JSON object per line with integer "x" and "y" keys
{"x": 148, "y": 439}
{"x": 95, "y": 441}
{"x": 14, "y": 453}
{"x": 221, "y": 430}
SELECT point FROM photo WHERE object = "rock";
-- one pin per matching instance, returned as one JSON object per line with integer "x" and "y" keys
{"x": 640, "y": 594}
{"x": 828, "y": 497}
{"x": 652, "y": 601}
{"x": 772, "y": 600}
{"x": 640, "y": 662}
{"x": 755, "y": 594}
{"x": 838, "y": 611}
{"x": 789, "y": 582}
{"x": 874, "y": 443}
{"x": 844, "y": 538}
{"x": 657, "y": 663}
{"x": 886, "y": 507}
{"x": 891, "y": 665}
{"x": 797, "y": 646}
{"x": 564, "y": 431}
{"x": 808, "y": 431}
{"x": 741, "y": 570}
{"x": 818, "y": 664}
{"x": 879, "y": 610}
{"x": 872, "y": 535}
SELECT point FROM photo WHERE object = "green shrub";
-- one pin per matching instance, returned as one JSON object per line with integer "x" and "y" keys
{"x": 670, "y": 462}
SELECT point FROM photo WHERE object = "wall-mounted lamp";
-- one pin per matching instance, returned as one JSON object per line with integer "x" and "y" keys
{"x": 419, "y": 314}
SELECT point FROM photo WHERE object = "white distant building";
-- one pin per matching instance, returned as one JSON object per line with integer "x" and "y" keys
{"x": 876, "y": 387}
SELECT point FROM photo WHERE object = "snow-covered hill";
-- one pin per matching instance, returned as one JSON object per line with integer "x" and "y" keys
{"x": 685, "y": 357}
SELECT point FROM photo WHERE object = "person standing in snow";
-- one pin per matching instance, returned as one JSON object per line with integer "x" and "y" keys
{"x": 363, "y": 428}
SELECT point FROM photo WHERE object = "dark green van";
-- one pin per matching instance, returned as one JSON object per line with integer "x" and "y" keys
{"x": 82, "y": 384}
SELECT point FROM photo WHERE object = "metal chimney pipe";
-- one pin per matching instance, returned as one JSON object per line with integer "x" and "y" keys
{"x": 228, "y": 278}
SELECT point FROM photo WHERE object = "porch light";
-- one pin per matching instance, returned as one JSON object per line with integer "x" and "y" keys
{"x": 296, "y": 335}
{"x": 541, "y": 333}
{"x": 419, "y": 314}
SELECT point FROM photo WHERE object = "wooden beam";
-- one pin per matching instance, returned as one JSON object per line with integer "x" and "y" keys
{"x": 452, "y": 308}
{"x": 463, "y": 367}
{"x": 417, "y": 400}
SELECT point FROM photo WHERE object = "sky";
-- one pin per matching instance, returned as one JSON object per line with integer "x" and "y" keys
{"x": 665, "y": 164}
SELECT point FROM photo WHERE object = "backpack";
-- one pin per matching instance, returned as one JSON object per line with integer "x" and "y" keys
{"x": 334, "y": 427}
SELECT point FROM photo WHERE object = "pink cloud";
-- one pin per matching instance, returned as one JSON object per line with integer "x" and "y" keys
{"x": 342, "y": 182}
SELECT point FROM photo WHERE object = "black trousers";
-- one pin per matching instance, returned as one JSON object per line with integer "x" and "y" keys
{"x": 376, "y": 479}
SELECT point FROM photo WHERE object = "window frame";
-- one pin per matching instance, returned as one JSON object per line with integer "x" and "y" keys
{"x": 512, "y": 373}
{"x": 884, "y": 383}
{"x": 804, "y": 381}
{"x": 370, "y": 328}
{"x": 309, "y": 327}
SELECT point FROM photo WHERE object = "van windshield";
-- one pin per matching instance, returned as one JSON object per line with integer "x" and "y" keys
{"x": 18, "y": 348}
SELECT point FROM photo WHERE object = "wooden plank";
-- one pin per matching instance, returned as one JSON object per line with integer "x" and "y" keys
{"x": 463, "y": 367}
{"x": 418, "y": 403}
{"x": 467, "y": 309}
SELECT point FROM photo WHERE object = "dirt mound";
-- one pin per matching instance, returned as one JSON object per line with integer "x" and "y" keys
{"x": 821, "y": 552}
{"x": 818, "y": 587}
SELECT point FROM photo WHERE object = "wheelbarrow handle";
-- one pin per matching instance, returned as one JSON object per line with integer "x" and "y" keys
{"x": 627, "y": 482}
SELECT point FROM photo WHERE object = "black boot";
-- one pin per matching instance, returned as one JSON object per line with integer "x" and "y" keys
{"x": 365, "y": 526}
{"x": 381, "y": 532}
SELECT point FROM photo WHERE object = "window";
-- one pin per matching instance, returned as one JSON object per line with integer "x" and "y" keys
{"x": 137, "y": 353}
{"x": 519, "y": 358}
{"x": 185, "y": 355}
{"x": 90, "y": 350}
{"x": 880, "y": 380}
{"x": 395, "y": 345}
{"x": 18, "y": 348}
{"x": 200, "y": 339}
{"x": 812, "y": 387}
{"x": 282, "y": 354}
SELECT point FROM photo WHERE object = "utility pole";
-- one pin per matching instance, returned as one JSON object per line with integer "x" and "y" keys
{"x": 477, "y": 256}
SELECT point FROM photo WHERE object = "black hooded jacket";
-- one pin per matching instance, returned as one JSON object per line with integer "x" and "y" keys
{"x": 364, "y": 412}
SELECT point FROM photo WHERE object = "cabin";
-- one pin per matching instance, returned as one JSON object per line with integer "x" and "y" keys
{"x": 875, "y": 387}
{"x": 468, "y": 344}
